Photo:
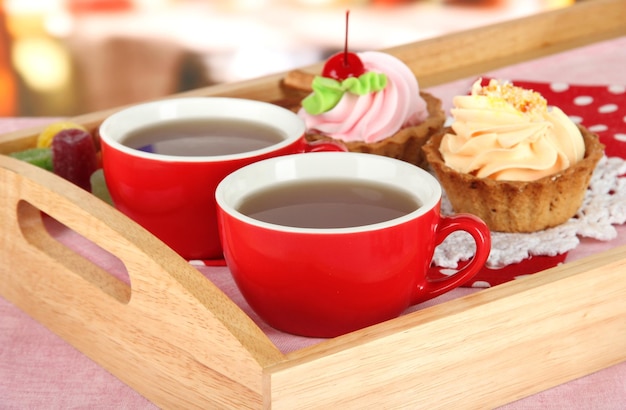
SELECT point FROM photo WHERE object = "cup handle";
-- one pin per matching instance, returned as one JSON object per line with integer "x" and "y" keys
{"x": 324, "y": 146}
{"x": 482, "y": 237}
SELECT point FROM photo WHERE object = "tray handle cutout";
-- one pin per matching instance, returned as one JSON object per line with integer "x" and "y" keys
{"x": 35, "y": 228}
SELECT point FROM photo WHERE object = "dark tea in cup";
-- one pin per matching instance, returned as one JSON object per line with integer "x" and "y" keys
{"x": 328, "y": 203}
{"x": 197, "y": 137}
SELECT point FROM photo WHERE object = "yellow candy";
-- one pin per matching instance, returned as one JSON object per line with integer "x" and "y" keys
{"x": 44, "y": 140}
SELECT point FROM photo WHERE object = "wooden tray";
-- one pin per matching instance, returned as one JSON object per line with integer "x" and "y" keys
{"x": 179, "y": 341}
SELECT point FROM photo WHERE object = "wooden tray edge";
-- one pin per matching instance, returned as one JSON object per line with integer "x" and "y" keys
{"x": 551, "y": 327}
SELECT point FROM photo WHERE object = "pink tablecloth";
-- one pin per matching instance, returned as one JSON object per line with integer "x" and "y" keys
{"x": 39, "y": 370}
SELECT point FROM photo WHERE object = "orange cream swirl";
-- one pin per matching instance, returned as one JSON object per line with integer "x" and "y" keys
{"x": 504, "y": 132}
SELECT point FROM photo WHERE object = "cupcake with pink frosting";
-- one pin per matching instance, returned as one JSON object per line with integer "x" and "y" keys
{"x": 512, "y": 161}
{"x": 380, "y": 110}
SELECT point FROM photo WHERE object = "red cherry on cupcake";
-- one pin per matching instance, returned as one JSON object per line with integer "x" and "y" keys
{"x": 344, "y": 64}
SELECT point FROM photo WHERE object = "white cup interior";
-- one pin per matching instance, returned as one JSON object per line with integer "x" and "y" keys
{"x": 233, "y": 189}
{"x": 116, "y": 127}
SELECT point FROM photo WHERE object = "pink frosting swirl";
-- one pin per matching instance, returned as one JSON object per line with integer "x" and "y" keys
{"x": 375, "y": 116}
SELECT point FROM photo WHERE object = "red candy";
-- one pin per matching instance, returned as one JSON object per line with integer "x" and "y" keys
{"x": 74, "y": 156}
{"x": 343, "y": 65}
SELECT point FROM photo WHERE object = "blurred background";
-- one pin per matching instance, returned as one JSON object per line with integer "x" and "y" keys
{"x": 70, "y": 57}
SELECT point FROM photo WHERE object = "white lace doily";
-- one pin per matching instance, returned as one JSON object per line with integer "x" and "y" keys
{"x": 604, "y": 205}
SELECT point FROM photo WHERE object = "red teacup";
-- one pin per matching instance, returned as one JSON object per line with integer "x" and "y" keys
{"x": 172, "y": 194}
{"x": 309, "y": 279}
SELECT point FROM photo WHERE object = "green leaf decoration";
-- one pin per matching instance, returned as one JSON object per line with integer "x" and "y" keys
{"x": 367, "y": 83}
{"x": 327, "y": 91}
{"x": 326, "y": 94}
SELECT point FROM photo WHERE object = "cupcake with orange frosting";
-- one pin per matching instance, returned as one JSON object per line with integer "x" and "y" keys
{"x": 512, "y": 161}
{"x": 371, "y": 103}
